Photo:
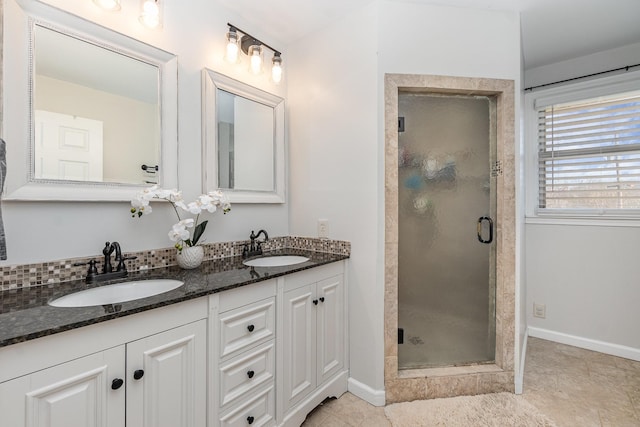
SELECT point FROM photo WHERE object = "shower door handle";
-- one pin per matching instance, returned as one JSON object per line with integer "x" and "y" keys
{"x": 480, "y": 221}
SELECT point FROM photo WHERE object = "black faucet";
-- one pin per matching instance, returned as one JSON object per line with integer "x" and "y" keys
{"x": 107, "y": 251}
{"x": 107, "y": 268}
{"x": 255, "y": 246}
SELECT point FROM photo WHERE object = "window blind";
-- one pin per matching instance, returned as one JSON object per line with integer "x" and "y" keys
{"x": 589, "y": 155}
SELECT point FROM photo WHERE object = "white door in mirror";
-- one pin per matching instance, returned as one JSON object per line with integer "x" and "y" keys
{"x": 67, "y": 147}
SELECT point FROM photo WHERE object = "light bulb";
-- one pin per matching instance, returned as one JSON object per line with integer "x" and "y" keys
{"x": 256, "y": 59}
{"x": 232, "y": 47}
{"x": 150, "y": 16}
{"x": 276, "y": 69}
{"x": 111, "y": 5}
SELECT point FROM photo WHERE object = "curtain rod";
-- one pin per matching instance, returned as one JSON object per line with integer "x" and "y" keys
{"x": 625, "y": 68}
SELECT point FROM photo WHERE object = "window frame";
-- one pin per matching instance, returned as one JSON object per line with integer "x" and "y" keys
{"x": 537, "y": 99}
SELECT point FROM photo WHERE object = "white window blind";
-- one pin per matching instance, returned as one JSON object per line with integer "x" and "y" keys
{"x": 589, "y": 156}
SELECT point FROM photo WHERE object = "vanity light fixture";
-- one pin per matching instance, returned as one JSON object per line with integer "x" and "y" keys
{"x": 253, "y": 48}
{"x": 110, "y": 5}
{"x": 150, "y": 13}
{"x": 232, "y": 46}
{"x": 276, "y": 68}
{"x": 255, "y": 54}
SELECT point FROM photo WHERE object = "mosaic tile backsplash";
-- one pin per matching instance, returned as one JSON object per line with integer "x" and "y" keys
{"x": 25, "y": 275}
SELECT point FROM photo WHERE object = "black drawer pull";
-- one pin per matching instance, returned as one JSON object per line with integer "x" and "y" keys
{"x": 315, "y": 302}
{"x": 116, "y": 383}
{"x": 321, "y": 299}
{"x": 137, "y": 374}
{"x": 250, "y": 420}
{"x": 250, "y": 374}
{"x": 251, "y": 328}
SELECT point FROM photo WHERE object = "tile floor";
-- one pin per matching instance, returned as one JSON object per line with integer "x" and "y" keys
{"x": 572, "y": 386}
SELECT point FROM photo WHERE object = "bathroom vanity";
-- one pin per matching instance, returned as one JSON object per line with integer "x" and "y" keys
{"x": 233, "y": 346}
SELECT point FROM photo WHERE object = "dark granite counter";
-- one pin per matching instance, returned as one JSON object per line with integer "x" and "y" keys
{"x": 26, "y": 315}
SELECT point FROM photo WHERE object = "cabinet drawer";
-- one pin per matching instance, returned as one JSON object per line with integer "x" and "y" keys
{"x": 246, "y": 372}
{"x": 244, "y": 327}
{"x": 257, "y": 411}
{"x": 243, "y": 295}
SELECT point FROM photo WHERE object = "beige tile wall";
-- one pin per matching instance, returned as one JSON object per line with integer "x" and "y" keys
{"x": 433, "y": 383}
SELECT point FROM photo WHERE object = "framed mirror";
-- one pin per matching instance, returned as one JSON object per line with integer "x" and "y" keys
{"x": 95, "y": 115}
{"x": 243, "y": 141}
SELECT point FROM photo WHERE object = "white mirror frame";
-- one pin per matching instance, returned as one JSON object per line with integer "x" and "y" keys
{"x": 211, "y": 81}
{"x": 19, "y": 19}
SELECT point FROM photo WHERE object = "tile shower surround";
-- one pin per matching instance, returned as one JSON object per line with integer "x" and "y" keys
{"x": 26, "y": 275}
{"x": 407, "y": 385}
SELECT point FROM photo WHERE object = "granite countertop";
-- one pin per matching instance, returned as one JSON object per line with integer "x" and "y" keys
{"x": 26, "y": 315}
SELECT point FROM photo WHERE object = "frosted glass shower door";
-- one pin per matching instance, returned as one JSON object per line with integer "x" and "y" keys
{"x": 446, "y": 253}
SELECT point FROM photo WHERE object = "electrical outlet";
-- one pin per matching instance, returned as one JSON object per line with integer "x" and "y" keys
{"x": 323, "y": 228}
{"x": 539, "y": 310}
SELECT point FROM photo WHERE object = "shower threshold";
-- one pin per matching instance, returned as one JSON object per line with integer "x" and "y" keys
{"x": 449, "y": 371}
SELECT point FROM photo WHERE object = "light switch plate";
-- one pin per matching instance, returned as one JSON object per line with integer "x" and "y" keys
{"x": 323, "y": 228}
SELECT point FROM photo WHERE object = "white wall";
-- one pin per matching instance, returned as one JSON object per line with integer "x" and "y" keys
{"x": 337, "y": 135}
{"x": 195, "y": 32}
{"x": 586, "y": 275}
{"x": 335, "y": 166}
{"x": 583, "y": 65}
{"x": 521, "y": 283}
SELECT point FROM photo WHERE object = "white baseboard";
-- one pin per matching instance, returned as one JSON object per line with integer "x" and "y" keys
{"x": 519, "y": 381}
{"x": 586, "y": 343}
{"x": 363, "y": 391}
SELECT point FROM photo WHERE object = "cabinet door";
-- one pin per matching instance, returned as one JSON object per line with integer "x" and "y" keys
{"x": 330, "y": 327}
{"x": 166, "y": 378}
{"x": 78, "y": 393}
{"x": 299, "y": 342}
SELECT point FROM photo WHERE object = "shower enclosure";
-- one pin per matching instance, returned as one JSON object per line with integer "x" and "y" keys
{"x": 447, "y": 172}
{"x": 450, "y": 236}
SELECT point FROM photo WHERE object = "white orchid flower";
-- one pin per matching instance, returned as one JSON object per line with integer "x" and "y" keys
{"x": 188, "y": 223}
{"x": 209, "y": 202}
{"x": 194, "y": 208}
{"x": 139, "y": 202}
{"x": 181, "y": 205}
{"x": 161, "y": 193}
{"x": 148, "y": 193}
{"x": 175, "y": 196}
{"x": 176, "y": 234}
{"x": 179, "y": 230}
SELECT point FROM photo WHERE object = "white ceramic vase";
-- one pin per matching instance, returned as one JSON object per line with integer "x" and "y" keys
{"x": 190, "y": 257}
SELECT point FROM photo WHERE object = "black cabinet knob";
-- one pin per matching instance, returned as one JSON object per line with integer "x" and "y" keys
{"x": 315, "y": 302}
{"x": 250, "y": 420}
{"x": 251, "y": 328}
{"x": 321, "y": 299}
{"x": 117, "y": 383}
{"x": 250, "y": 374}
{"x": 138, "y": 373}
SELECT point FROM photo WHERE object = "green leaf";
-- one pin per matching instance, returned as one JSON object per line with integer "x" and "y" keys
{"x": 197, "y": 232}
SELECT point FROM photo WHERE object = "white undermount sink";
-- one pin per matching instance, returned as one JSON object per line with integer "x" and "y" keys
{"x": 118, "y": 292}
{"x": 275, "y": 261}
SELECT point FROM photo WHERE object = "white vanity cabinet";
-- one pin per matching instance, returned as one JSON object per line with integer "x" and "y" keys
{"x": 312, "y": 336}
{"x": 78, "y": 393}
{"x": 263, "y": 354}
{"x": 166, "y": 378}
{"x": 155, "y": 381}
{"x": 242, "y": 366}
